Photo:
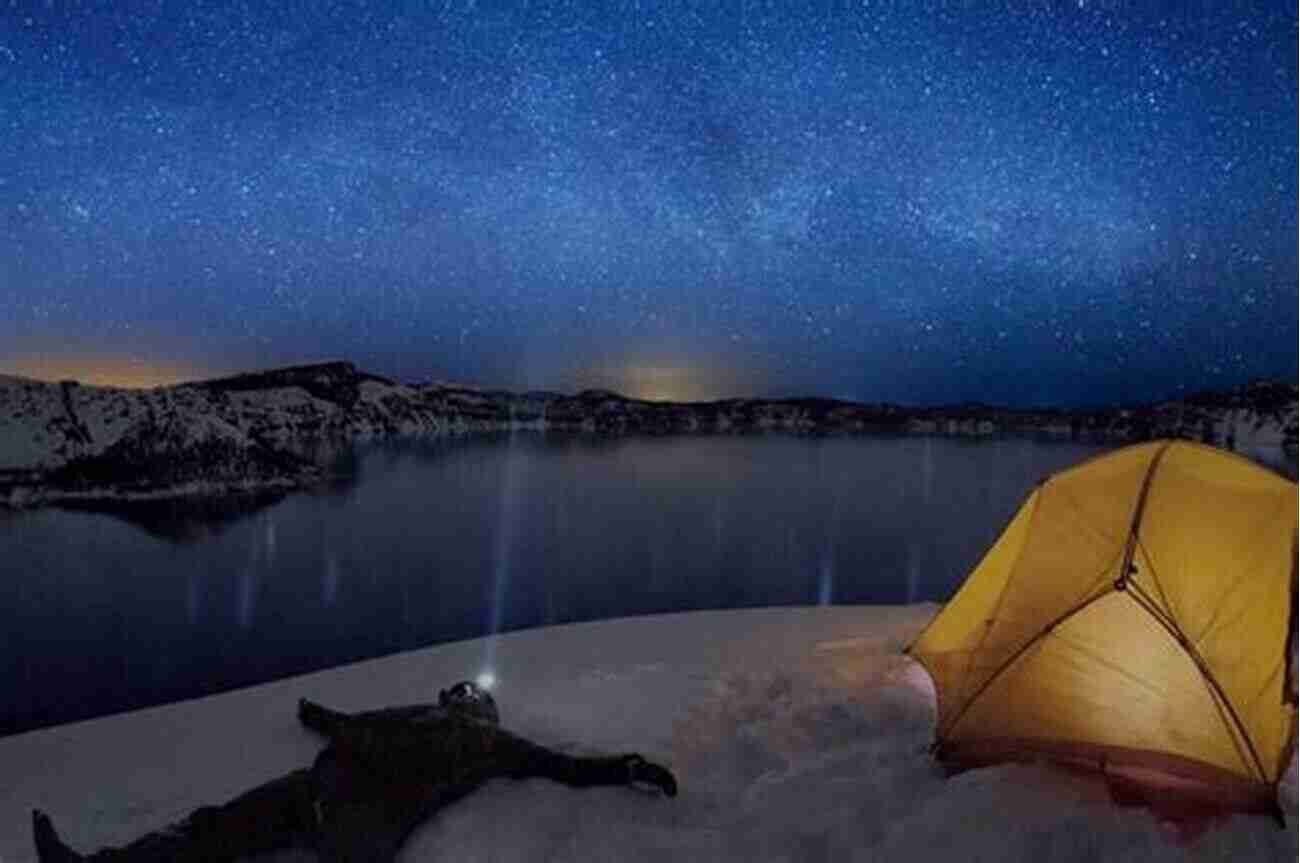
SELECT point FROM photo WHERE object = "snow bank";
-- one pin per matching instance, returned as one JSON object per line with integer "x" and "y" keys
{"x": 796, "y": 734}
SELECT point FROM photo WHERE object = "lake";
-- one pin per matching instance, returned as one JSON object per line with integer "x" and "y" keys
{"x": 416, "y": 543}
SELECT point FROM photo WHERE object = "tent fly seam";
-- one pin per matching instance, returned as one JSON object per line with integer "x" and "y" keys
{"x": 1015, "y": 566}
{"x": 1130, "y": 548}
{"x": 1014, "y": 657}
{"x": 1215, "y": 619}
{"x": 1165, "y": 604}
{"x": 1220, "y": 697}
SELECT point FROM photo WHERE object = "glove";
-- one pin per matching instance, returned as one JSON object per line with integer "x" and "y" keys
{"x": 642, "y": 772}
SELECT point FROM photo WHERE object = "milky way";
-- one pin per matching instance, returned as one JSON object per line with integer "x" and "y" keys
{"x": 1050, "y": 203}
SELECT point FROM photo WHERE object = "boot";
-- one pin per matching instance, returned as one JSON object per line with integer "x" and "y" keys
{"x": 49, "y": 847}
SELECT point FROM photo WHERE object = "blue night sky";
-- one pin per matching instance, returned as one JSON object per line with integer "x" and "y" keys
{"x": 1047, "y": 203}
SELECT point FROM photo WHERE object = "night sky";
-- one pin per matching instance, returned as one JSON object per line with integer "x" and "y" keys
{"x": 1050, "y": 203}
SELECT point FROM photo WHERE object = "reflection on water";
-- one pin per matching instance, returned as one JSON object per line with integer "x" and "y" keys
{"x": 419, "y": 542}
{"x": 330, "y": 585}
{"x": 513, "y": 485}
{"x": 183, "y": 521}
{"x": 190, "y": 520}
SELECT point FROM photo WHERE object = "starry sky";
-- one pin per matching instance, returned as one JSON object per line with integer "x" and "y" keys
{"x": 1030, "y": 203}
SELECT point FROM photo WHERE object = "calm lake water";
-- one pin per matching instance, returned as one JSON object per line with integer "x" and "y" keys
{"x": 419, "y": 543}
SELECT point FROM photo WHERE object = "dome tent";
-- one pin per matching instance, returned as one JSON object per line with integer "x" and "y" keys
{"x": 1137, "y": 616}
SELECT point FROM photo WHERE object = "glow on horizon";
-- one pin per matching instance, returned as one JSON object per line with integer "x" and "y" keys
{"x": 125, "y": 372}
{"x": 664, "y": 383}
{"x": 649, "y": 382}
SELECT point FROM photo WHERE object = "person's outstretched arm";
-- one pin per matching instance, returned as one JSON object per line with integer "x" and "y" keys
{"x": 329, "y": 722}
{"x": 527, "y": 759}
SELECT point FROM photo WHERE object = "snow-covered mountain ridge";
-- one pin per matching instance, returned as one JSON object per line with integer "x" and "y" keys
{"x": 256, "y": 432}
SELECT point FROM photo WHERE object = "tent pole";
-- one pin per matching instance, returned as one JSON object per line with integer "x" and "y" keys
{"x": 1023, "y": 649}
{"x": 1121, "y": 582}
{"x": 1130, "y": 547}
{"x": 1144, "y": 602}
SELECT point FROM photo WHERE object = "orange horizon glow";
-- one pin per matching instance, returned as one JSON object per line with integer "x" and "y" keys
{"x": 658, "y": 383}
{"x": 123, "y": 372}
{"x": 649, "y": 382}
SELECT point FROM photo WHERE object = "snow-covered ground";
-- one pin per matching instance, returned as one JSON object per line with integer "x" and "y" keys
{"x": 796, "y": 734}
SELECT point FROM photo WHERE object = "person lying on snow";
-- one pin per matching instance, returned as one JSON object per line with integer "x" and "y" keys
{"x": 382, "y": 774}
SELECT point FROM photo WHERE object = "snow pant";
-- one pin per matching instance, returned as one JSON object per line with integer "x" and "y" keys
{"x": 279, "y": 814}
{"x": 341, "y": 813}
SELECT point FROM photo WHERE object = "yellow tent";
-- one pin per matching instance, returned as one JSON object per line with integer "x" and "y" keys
{"x": 1138, "y": 616}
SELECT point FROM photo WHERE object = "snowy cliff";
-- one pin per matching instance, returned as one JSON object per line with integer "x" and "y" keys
{"x": 245, "y": 433}
{"x": 1256, "y": 416}
{"x": 260, "y": 432}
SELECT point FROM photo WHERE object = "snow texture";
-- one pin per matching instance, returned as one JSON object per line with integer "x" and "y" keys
{"x": 796, "y": 735}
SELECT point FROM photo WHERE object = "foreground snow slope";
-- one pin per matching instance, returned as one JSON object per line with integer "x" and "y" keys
{"x": 796, "y": 734}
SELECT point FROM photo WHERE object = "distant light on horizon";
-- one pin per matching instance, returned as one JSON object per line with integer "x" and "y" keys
{"x": 660, "y": 384}
{"x": 677, "y": 383}
{"x": 124, "y": 372}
